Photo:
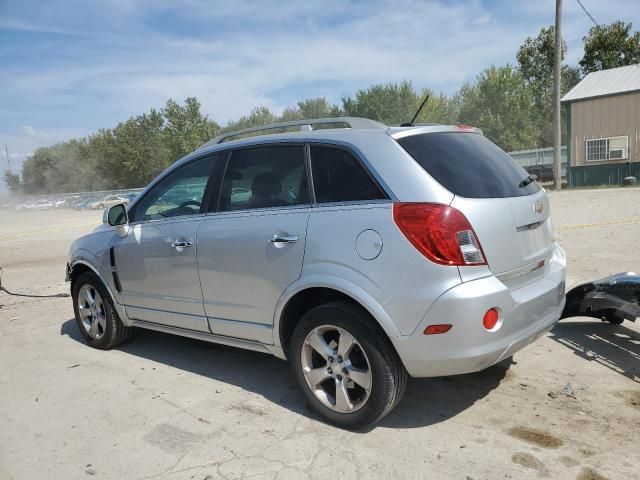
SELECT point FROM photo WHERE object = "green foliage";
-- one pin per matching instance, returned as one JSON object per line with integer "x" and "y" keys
{"x": 186, "y": 128}
{"x": 535, "y": 61}
{"x": 13, "y": 181}
{"x": 129, "y": 155}
{"x": 318, "y": 108}
{"x": 258, "y": 116}
{"x": 134, "y": 152}
{"x": 610, "y": 46}
{"x": 396, "y": 103}
{"x": 500, "y": 103}
{"x": 391, "y": 103}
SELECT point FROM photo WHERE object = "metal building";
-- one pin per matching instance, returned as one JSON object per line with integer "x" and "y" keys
{"x": 603, "y": 114}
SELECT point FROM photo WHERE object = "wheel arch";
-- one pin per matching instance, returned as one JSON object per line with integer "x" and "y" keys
{"x": 299, "y": 300}
{"x": 78, "y": 267}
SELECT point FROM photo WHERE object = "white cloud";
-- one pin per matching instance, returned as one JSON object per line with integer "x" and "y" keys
{"x": 31, "y": 132}
{"x": 106, "y": 61}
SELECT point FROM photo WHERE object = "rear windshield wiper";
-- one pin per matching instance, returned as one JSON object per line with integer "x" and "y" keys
{"x": 527, "y": 181}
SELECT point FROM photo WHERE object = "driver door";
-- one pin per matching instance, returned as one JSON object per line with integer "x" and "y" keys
{"x": 156, "y": 260}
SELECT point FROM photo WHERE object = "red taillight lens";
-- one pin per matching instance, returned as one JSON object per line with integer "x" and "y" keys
{"x": 440, "y": 232}
{"x": 490, "y": 319}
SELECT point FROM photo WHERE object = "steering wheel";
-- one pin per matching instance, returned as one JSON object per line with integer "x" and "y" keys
{"x": 189, "y": 203}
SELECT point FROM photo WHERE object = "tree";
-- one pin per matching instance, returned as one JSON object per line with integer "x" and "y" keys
{"x": 35, "y": 171}
{"x": 133, "y": 153}
{"x": 12, "y": 180}
{"x": 610, "y": 46}
{"x": 438, "y": 109}
{"x": 501, "y": 104}
{"x": 391, "y": 103}
{"x": 186, "y": 128}
{"x": 535, "y": 61}
{"x": 394, "y": 103}
{"x": 318, "y": 107}
{"x": 258, "y": 116}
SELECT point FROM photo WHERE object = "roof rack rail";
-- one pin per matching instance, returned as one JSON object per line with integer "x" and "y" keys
{"x": 305, "y": 126}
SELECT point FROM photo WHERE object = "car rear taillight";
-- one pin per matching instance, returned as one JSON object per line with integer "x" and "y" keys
{"x": 439, "y": 232}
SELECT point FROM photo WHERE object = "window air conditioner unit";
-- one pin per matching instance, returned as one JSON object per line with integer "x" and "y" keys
{"x": 617, "y": 153}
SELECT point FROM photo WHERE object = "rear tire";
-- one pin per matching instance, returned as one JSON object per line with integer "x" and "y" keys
{"x": 358, "y": 378}
{"x": 95, "y": 314}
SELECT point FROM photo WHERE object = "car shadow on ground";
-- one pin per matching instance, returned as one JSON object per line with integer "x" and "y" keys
{"x": 613, "y": 346}
{"x": 426, "y": 401}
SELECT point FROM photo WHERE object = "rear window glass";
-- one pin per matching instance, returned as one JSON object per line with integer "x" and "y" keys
{"x": 468, "y": 164}
{"x": 339, "y": 177}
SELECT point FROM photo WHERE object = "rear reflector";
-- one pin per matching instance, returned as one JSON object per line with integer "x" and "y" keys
{"x": 436, "y": 329}
{"x": 490, "y": 319}
{"x": 439, "y": 232}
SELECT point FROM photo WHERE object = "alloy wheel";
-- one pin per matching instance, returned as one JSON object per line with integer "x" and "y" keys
{"x": 92, "y": 312}
{"x": 336, "y": 368}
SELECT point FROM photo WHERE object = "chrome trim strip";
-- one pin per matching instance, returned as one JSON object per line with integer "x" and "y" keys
{"x": 530, "y": 226}
{"x": 241, "y": 322}
{"x": 518, "y": 272}
{"x": 149, "y": 309}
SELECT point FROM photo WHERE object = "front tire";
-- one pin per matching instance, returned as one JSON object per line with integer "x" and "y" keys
{"x": 95, "y": 314}
{"x": 345, "y": 365}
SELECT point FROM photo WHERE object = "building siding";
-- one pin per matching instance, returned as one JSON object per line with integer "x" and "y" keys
{"x": 610, "y": 116}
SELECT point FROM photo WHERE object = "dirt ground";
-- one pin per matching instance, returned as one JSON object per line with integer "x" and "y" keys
{"x": 169, "y": 407}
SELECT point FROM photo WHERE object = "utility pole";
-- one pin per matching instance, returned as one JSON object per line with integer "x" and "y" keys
{"x": 557, "y": 129}
{"x": 6, "y": 152}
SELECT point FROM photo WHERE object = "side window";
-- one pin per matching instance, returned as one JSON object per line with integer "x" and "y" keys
{"x": 339, "y": 177}
{"x": 180, "y": 193}
{"x": 264, "y": 177}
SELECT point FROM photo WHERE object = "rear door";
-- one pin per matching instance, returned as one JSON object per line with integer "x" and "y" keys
{"x": 251, "y": 249}
{"x": 510, "y": 215}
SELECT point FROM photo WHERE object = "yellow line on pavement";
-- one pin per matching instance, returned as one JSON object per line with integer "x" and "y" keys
{"x": 599, "y": 224}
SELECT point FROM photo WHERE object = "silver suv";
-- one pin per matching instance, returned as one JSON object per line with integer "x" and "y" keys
{"x": 359, "y": 252}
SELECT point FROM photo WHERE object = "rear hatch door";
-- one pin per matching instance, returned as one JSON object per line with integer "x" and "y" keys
{"x": 515, "y": 233}
{"x": 509, "y": 213}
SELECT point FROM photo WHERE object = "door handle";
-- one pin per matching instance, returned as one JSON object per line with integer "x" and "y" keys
{"x": 180, "y": 244}
{"x": 283, "y": 238}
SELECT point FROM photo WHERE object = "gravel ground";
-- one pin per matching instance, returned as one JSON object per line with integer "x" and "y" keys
{"x": 169, "y": 407}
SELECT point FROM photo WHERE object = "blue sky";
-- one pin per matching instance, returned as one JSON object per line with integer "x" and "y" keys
{"x": 70, "y": 67}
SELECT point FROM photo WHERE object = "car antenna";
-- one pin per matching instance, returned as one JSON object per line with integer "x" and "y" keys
{"x": 410, "y": 124}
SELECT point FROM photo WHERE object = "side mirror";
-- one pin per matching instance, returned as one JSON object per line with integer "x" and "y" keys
{"x": 116, "y": 215}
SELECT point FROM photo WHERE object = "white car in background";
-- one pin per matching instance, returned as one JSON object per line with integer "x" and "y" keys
{"x": 107, "y": 201}
{"x": 41, "y": 205}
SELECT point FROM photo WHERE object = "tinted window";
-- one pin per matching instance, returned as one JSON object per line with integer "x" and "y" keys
{"x": 179, "y": 193}
{"x": 339, "y": 177}
{"x": 264, "y": 177}
{"x": 468, "y": 164}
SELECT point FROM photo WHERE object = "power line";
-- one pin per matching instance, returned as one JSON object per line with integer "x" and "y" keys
{"x": 594, "y": 21}
{"x": 587, "y": 13}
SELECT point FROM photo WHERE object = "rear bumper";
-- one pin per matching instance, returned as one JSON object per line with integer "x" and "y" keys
{"x": 526, "y": 313}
